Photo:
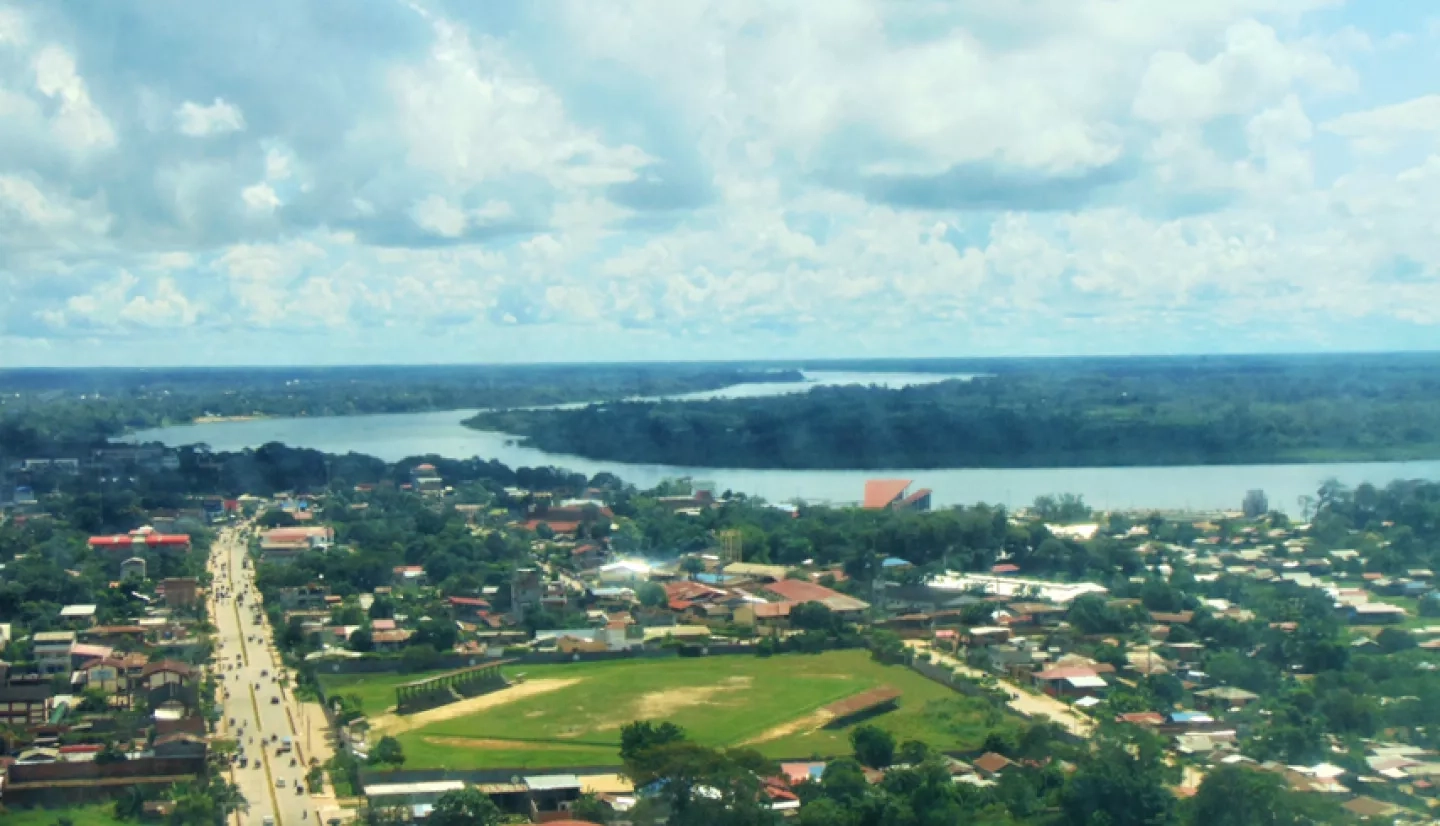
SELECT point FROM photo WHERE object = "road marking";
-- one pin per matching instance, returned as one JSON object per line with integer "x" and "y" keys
{"x": 270, "y": 781}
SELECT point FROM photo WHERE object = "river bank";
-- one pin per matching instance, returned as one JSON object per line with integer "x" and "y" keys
{"x": 394, "y": 437}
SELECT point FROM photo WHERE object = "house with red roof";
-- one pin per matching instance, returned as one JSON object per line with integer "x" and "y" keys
{"x": 468, "y": 607}
{"x": 1070, "y": 681}
{"x": 588, "y": 555}
{"x": 409, "y": 575}
{"x": 799, "y": 591}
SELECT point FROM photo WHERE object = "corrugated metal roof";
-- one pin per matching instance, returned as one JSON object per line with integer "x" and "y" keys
{"x": 552, "y": 782}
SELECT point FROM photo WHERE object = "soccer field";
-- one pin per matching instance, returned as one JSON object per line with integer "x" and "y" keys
{"x": 570, "y": 715}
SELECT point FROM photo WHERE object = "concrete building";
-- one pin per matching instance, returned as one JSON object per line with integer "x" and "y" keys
{"x": 1016, "y": 587}
{"x": 133, "y": 568}
{"x": 52, "y": 651}
{"x": 426, "y": 480}
{"x": 527, "y": 589}
{"x": 78, "y": 616}
{"x": 24, "y": 701}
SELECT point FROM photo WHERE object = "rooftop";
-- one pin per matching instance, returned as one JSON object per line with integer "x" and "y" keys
{"x": 879, "y": 493}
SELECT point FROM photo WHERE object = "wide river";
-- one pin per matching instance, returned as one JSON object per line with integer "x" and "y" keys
{"x": 395, "y": 436}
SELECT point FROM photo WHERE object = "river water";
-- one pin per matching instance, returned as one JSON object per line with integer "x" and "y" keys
{"x": 395, "y": 436}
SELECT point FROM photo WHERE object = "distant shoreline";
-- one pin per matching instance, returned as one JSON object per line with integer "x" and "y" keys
{"x": 219, "y": 419}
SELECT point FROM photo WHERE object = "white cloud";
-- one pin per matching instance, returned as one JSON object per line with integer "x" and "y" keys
{"x": 1253, "y": 68}
{"x": 471, "y": 114}
{"x": 260, "y": 198}
{"x": 439, "y": 217}
{"x": 13, "y": 28}
{"x": 203, "y": 121}
{"x": 77, "y": 122}
{"x": 167, "y": 307}
{"x": 493, "y": 211}
{"x": 1377, "y": 130}
{"x": 110, "y": 305}
{"x": 38, "y": 208}
{"x": 258, "y": 276}
{"x": 277, "y": 165}
{"x": 703, "y": 174}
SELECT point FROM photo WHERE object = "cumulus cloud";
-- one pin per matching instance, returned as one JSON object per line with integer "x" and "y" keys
{"x": 112, "y": 306}
{"x": 853, "y": 177}
{"x": 1377, "y": 130}
{"x": 77, "y": 122}
{"x": 202, "y": 121}
{"x": 260, "y": 198}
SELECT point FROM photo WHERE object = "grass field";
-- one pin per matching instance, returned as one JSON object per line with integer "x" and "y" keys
{"x": 768, "y": 703}
{"x": 376, "y": 691}
{"x": 98, "y": 814}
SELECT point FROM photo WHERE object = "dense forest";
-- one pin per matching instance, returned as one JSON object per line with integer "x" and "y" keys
{"x": 62, "y": 409}
{"x": 1034, "y": 414}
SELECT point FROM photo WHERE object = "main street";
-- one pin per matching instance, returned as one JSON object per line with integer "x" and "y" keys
{"x": 263, "y": 710}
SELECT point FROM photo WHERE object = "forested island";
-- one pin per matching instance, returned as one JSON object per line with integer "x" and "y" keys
{"x": 1034, "y": 413}
{"x": 43, "y": 410}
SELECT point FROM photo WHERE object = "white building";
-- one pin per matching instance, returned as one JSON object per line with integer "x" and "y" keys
{"x": 1013, "y": 587}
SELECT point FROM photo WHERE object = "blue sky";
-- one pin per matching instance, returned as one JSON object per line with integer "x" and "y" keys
{"x": 287, "y": 181}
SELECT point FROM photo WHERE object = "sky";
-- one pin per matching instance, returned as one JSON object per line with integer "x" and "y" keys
{"x": 311, "y": 182}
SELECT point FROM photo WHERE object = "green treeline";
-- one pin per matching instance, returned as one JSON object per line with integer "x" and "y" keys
{"x": 1035, "y": 414}
{"x": 48, "y": 410}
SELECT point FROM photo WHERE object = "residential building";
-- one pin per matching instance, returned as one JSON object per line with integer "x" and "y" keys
{"x": 24, "y": 702}
{"x": 426, "y": 480}
{"x": 1373, "y": 613}
{"x": 799, "y": 591}
{"x": 282, "y": 545}
{"x": 527, "y": 588}
{"x": 78, "y": 616}
{"x": 166, "y": 672}
{"x": 392, "y": 640}
{"x": 1072, "y": 681}
{"x": 1223, "y": 697}
{"x": 52, "y": 651}
{"x": 404, "y": 575}
{"x": 106, "y": 674}
{"x": 587, "y": 555}
{"x": 468, "y": 608}
{"x": 133, "y": 568}
{"x": 303, "y": 597}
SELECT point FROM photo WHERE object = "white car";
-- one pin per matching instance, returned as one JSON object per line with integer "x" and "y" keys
{"x": 279, "y": 784}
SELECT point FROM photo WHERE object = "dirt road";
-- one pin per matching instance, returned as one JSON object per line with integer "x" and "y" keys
{"x": 1023, "y": 700}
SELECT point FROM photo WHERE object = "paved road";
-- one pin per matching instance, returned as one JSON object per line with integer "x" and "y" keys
{"x": 245, "y": 660}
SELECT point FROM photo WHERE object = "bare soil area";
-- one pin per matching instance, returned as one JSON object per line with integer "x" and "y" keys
{"x": 392, "y": 724}
{"x": 814, "y": 721}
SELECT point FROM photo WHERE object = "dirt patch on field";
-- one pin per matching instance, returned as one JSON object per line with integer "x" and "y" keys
{"x": 657, "y": 705}
{"x": 814, "y": 721}
{"x": 392, "y": 724}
